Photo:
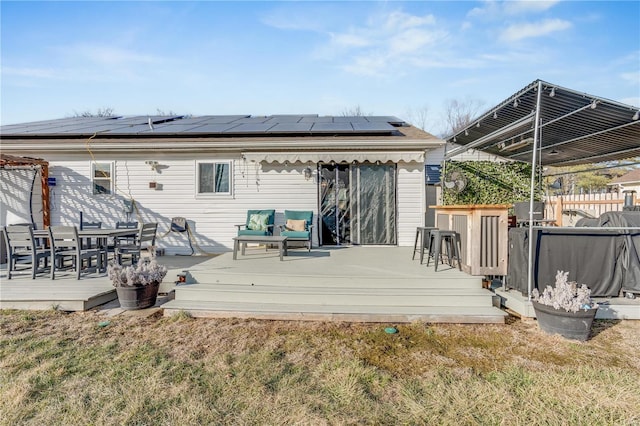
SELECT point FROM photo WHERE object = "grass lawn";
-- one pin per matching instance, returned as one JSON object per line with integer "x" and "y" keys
{"x": 67, "y": 369}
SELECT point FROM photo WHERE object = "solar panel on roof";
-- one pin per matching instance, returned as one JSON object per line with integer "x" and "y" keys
{"x": 250, "y": 128}
{"x": 284, "y": 119}
{"x": 316, "y": 120}
{"x": 252, "y": 120}
{"x": 351, "y": 119}
{"x": 331, "y": 127}
{"x": 373, "y": 127}
{"x": 387, "y": 119}
{"x": 214, "y": 128}
{"x": 290, "y": 128}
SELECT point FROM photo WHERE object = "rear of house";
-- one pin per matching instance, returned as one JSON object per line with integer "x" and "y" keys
{"x": 363, "y": 177}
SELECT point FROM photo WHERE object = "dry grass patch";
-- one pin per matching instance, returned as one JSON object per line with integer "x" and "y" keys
{"x": 58, "y": 368}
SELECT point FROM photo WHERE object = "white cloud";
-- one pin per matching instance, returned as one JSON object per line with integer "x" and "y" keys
{"x": 521, "y": 31}
{"x": 527, "y": 6}
{"x": 349, "y": 40}
{"x": 631, "y": 77}
{"x": 385, "y": 43}
{"x": 29, "y": 72}
{"x": 498, "y": 9}
{"x": 110, "y": 55}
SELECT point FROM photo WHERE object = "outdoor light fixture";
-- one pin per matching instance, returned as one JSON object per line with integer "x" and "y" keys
{"x": 553, "y": 152}
{"x": 636, "y": 116}
{"x": 515, "y": 103}
{"x": 154, "y": 164}
{"x": 594, "y": 104}
{"x": 495, "y": 114}
{"x": 308, "y": 173}
{"x": 478, "y": 124}
{"x": 515, "y": 145}
{"x": 466, "y": 132}
{"x": 553, "y": 92}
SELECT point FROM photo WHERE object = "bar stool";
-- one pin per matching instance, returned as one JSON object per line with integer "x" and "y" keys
{"x": 452, "y": 244}
{"x": 422, "y": 235}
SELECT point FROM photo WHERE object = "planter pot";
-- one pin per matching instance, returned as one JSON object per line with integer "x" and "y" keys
{"x": 138, "y": 297}
{"x": 572, "y": 325}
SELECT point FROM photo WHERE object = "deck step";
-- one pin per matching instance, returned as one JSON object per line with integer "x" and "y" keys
{"x": 346, "y": 295}
{"x": 441, "y": 280}
{"x": 350, "y": 313}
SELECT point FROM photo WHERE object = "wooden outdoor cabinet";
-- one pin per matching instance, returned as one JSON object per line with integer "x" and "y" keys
{"x": 483, "y": 233}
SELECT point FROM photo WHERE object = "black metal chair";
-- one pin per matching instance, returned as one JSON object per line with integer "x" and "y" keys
{"x": 23, "y": 249}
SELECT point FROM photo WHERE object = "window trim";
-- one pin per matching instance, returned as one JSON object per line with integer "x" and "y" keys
{"x": 199, "y": 194}
{"x": 111, "y": 178}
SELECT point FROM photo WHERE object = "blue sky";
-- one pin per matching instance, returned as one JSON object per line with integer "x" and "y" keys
{"x": 268, "y": 57}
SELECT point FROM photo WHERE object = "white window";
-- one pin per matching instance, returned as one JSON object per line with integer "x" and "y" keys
{"x": 102, "y": 178}
{"x": 213, "y": 177}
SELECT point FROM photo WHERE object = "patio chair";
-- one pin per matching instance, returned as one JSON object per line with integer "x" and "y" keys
{"x": 23, "y": 249}
{"x": 144, "y": 241}
{"x": 111, "y": 248}
{"x": 298, "y": 226}
{"x": 65, "y": 244}
{"x": 259, "y": 222}
{"x": 86, "y": 242}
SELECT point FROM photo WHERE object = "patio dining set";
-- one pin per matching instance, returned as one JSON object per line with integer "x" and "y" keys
{"x": 83, "y": 248}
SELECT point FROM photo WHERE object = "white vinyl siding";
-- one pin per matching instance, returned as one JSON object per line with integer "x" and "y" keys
{"x": 211, "y": 219}
{"x": 411, "y": 201}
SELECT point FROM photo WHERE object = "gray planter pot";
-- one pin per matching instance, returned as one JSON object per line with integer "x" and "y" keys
{"x": 138, "y": 297}
{"x": 572, "y": 325}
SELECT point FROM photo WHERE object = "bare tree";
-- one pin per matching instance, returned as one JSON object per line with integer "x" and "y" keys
{"x": 418, "y": 117}
{"x": 458, "y": 114}
{"x": 100, "y": 112}
{"x": 355, "y": 111}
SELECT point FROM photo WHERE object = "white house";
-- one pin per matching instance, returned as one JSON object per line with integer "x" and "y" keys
{"x": 363, "y": 177}
{"x": 628, "y": 182}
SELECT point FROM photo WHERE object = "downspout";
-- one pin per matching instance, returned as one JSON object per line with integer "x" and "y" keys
{"x": 536, "y": 132}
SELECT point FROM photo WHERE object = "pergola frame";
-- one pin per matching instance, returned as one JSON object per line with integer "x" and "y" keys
{"x": 549, "y": 125}
{"x": 12, "y": 161}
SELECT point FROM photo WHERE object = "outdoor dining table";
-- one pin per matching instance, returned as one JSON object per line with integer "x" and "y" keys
{"x": 101, "y": 236}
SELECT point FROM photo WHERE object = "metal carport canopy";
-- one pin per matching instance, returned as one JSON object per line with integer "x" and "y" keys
{"x": 573, "y": 128}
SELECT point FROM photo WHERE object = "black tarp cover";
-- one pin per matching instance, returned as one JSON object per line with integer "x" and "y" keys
{"x": 606, "y": 261}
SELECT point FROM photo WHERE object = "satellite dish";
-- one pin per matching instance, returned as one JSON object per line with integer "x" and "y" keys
{"x": 455, "y": 182}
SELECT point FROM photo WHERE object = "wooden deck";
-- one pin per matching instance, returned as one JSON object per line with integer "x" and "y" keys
{"x": 65, "y": 293}
{"x": 367, "y": 284}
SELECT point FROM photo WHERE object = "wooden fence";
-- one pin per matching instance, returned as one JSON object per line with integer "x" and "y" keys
{"x": 567, "y": 209}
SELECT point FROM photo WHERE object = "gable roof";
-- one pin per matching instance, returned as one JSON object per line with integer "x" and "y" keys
{"x": 575, "y": 128}
{"x": 632, "y": 177}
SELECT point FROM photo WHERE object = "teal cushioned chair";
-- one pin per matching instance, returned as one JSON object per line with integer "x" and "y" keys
{"x": 258, "y": 225}
{"x": 296, "y": 235}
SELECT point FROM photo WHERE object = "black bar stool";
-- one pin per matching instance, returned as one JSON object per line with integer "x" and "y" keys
{"x": 452, "y": 244}
{"x": 422, "y": 235}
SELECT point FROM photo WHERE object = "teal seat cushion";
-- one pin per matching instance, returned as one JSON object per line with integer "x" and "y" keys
{"x": 252, "y": 232}
{"x": 296, "y": 234}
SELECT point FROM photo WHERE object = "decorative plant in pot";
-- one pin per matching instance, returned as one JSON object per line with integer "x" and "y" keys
{"x": 566, "y": 309}
{"x": 137, "y": 285}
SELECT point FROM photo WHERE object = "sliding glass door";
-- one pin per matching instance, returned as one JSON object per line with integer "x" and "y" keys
{"x": 357, "y": 204}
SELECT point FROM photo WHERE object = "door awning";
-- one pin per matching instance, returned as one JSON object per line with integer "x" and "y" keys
{"x": 338, "y": 157}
